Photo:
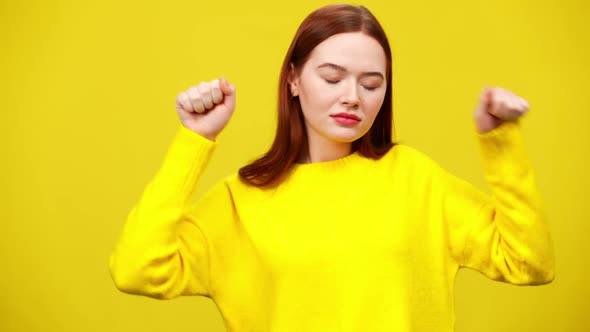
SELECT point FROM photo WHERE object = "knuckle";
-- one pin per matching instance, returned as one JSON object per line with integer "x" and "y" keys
{"x": 184, "y": 98}
{"x": 195, "y": 96}
{"x": 192, "y": 92}
{"x": 204, "y": 87}
{"x": 196, "y": 100}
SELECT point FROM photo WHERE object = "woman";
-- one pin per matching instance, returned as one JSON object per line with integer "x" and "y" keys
{"x": 335, "y": 228}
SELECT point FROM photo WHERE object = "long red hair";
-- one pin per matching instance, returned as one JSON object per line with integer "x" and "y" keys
{"x": 290, "y": 138}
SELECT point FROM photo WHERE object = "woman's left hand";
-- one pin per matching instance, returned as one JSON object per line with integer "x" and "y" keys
{"x": 496, "y": 106}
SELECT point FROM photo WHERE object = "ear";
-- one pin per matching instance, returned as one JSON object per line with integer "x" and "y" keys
{"x": 293, "y": 80}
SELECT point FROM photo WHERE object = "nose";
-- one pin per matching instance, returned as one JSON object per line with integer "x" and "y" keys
{"x": 350, "y": 96}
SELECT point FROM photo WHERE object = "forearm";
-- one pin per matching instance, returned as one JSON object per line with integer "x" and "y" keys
{"x": 518, "y": 237}
{"x": 145, "y": 254}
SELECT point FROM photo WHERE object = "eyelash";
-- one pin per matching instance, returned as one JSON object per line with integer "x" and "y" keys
{"x": 336, "y": 82}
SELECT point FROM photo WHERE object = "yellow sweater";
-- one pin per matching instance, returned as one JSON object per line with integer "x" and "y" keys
{"x": 347, "y": 245}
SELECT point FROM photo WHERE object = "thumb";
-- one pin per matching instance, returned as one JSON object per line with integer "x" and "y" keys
{"x": 485, "y": 100}
{"x": 229, "y": 91}
{"x": 227, "y": 88}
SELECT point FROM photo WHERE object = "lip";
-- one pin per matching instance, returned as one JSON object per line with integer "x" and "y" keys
{"x": 346, "y": 118}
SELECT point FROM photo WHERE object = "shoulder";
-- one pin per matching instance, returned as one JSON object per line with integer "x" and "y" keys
{"x": 224, "y": 194}
{"x": 234, "y": 186}
{"x": 226, "y": 185}
{"x": 405, "y": 155}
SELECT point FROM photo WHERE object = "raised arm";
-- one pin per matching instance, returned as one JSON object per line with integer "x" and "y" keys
{"x": 504, "y": 235}
{"x": 163, "y": 252}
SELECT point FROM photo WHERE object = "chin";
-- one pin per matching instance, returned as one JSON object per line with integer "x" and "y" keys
{"x": 346, "y": 135}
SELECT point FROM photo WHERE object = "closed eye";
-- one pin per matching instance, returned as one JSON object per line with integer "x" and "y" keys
{"x": 331, "y": 81}
{"x": 368, "y": 88}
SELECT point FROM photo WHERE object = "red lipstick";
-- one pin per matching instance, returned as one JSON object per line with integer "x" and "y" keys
{"x": 346, "y": 118}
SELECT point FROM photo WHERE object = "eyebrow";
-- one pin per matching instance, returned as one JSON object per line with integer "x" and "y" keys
{"x": 342, "y": 69}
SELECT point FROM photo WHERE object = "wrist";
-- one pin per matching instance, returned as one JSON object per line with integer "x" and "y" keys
{"x": 486, "y": 122}
{"x": 207, "y": 135}
{"x": 202, "y": 132}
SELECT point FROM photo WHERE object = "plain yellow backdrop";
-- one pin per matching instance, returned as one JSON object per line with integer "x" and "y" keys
{"x": 87, "y": 92}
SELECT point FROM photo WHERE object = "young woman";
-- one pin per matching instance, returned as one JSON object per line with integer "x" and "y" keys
{"x": 335, "y": 228}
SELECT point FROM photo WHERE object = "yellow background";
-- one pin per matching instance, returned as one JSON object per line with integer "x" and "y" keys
{"x": 87, "y": 94}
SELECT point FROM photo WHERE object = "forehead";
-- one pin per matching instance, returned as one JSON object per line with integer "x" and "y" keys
{"x": 353, "y": 50}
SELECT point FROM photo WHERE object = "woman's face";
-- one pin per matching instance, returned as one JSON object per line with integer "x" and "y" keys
{"x": 341, "y": 87}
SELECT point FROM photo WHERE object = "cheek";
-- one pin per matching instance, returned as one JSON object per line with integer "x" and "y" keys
{"x": 316, "y": 95}
{"x": 373, "y": 105}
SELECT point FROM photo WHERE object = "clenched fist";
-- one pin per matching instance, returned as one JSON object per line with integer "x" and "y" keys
{"x": 497, "y": 105}
{"x": 206, "y": 108}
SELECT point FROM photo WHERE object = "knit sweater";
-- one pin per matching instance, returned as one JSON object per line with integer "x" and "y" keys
{"x": 353, "y": 244}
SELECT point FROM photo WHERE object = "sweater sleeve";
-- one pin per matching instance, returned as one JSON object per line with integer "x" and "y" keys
{"x": 504, "y": 235}
{"x": 162, "y": 253}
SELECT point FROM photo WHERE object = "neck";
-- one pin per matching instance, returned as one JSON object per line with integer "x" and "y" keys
{"x": 318, "y": 149}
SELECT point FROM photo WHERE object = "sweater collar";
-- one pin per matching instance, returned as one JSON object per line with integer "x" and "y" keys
{"x": 331, "y": 165}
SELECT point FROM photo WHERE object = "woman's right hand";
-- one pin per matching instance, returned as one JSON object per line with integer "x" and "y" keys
{"x": 206, "y": 108}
